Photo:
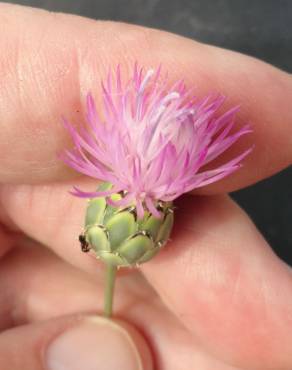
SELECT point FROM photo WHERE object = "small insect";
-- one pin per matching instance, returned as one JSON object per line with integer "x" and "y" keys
{"x": 85, "y": 247}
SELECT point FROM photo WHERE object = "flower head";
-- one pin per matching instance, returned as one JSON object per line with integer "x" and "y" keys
{"x": 152, "y": 141}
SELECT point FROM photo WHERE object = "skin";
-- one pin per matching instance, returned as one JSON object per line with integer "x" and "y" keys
{"x": 217, "y": 287}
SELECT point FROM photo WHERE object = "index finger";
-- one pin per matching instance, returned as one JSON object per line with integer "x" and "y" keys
{"x": 48, "y": 63}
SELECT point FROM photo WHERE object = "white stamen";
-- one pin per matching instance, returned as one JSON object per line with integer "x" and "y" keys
{"x": 146, "y": 79}
{"x": 169, "y": 97}
{"x": 144, "y": 83}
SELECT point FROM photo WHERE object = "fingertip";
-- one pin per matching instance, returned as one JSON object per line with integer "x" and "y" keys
{"x": 75, "y": 342}
{"x": 97, "y": 342}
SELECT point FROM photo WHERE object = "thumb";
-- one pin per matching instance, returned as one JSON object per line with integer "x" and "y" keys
{"x": 75, "y": 343}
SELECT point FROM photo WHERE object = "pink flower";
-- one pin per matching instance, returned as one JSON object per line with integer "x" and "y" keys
{"x": 152, "y": 141}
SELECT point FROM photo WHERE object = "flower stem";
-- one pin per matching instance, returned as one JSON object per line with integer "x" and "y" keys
{"x": 109, "y": 289}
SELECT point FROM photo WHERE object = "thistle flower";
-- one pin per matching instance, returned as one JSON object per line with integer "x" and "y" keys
{"x": 149, "y": 145}
{"x": 152, "y": 141}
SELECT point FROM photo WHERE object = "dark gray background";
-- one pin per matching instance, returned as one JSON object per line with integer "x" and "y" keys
{"x": 262, "y": 28}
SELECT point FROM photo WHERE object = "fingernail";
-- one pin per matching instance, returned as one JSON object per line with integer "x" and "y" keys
{"x": 94, "y": 344}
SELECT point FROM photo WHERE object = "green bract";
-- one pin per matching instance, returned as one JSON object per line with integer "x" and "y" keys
{"x": 118, "y": 238}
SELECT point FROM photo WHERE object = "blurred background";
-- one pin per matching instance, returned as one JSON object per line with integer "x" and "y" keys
{"x": 262, "y": 28}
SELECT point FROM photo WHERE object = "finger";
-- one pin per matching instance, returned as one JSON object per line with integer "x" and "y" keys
{"x": 52, "y": 216}
{"x": 226, "y": 285}
{"x": 218, "y": 275}
{"x": 74, "y": 342}
{"x": 35, "y": 286}
{"x": 50, "y": 61}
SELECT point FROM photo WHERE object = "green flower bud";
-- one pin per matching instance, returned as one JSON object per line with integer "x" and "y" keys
{"x": 118, "y": 238}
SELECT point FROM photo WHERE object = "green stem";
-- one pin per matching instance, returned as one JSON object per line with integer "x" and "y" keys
{"x": 109, "y": 289}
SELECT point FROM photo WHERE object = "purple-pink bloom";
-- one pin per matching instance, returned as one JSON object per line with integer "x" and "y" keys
{"x": 151, "y": 140}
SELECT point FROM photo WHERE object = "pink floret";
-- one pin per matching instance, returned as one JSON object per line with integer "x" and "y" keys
{"x": 152, "y": 140}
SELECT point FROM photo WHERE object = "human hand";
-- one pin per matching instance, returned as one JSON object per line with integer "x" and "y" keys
{"x": 216, "y": 297}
